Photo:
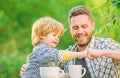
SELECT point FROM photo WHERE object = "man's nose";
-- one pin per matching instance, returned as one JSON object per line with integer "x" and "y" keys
{"x": 80, "y": 30}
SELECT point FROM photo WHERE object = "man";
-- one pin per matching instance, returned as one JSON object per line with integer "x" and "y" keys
{"x": 103, "y": 52}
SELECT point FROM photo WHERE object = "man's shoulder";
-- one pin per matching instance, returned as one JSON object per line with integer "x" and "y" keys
{"x": 103, "y": 39}
{"x": 105, "y": 42}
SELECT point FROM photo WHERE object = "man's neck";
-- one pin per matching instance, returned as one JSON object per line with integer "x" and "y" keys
{"x": 81, "y": 48}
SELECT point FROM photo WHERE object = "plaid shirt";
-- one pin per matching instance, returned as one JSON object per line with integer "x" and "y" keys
{"x": 42, "y": 55}
{"x": 102, "y": 67}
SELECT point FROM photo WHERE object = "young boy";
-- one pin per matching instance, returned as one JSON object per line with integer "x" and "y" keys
{"x": 45, "y": 36}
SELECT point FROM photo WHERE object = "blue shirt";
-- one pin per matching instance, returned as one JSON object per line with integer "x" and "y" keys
{"x": 42, "y": 55}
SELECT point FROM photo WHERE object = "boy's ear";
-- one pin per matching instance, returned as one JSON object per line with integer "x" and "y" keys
{"x": 41, "y": 37}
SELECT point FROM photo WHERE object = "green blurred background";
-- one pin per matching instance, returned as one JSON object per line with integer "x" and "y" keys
{"x": 17, "y": 16}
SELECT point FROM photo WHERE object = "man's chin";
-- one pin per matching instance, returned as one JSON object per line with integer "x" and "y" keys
{"x": 82, "y": 44}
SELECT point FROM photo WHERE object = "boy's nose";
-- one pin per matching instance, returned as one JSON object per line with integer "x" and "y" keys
{"x": 57, "y": 38}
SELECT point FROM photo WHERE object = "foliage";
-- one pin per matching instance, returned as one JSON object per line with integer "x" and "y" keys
{"x": 17, "y": 16}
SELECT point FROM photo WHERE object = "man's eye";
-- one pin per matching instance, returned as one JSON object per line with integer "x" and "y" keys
{"x": 84, "y": 26}
{"x": 75, "y": 27}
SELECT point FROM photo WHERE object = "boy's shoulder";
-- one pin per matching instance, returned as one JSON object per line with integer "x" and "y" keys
{"x": 40, "y": 47}
{"x": 38, "y": 50}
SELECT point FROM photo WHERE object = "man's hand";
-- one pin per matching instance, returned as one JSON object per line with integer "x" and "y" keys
{"x": 94, "y": 53}
{"x": 23, "y": 68}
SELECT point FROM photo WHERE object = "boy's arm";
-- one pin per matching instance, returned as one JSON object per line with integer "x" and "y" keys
{"x": 68, "y": 55}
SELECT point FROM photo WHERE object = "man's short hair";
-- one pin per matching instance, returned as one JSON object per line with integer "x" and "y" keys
{"x": 79, "y": 10}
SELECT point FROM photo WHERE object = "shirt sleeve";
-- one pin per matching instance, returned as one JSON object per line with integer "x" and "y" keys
{"x": 115, "y": 46}
{"x": 49, "y": 55}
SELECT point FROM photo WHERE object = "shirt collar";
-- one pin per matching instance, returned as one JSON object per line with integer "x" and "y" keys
{"x": 91, "y": 43}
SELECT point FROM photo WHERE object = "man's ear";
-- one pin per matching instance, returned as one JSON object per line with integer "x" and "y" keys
{"x": 93, "y": 25}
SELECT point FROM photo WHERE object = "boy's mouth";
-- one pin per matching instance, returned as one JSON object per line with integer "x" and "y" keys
{"x": 55, "y": 43}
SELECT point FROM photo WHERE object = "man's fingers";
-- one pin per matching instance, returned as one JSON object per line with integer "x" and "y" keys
{"x": 24, "y": 66}
{"x": 91, "y": 57}
{"x": 21, "y": 73}
{"x": 22, "y": 70}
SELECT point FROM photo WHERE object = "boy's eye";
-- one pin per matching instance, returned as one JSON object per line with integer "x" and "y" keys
{"x": 54, "y": 34}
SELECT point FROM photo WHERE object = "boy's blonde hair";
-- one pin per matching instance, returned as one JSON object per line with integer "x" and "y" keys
{"x": 44, "y": 26}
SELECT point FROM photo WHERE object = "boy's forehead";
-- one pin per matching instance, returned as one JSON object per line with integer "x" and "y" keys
{"x": 56, "y": 32}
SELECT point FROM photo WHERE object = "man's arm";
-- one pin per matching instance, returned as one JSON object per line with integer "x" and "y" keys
{"x": 94, "y": 53}
{"x": 23, "y": 68}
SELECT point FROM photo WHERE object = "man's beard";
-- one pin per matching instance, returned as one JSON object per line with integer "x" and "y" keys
{"x": 81, "y": 44}
{"x": 84, "y": 44}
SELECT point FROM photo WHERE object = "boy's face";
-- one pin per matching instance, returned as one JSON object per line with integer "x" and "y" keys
{"x": 52, "y": 39}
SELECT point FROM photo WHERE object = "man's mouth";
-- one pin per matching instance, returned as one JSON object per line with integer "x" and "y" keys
{"x": 77, "y": 36}
{"x": 81, "y": 38}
